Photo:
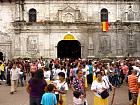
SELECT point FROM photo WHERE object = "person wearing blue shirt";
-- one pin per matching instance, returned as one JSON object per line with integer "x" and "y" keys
{"x": 90, "y": 76}
{"x": 49, "y": 98}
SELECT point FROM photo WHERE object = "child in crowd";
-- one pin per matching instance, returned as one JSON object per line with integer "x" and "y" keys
{"x": 49, "y": 98}
{"x": 78, "y": 99}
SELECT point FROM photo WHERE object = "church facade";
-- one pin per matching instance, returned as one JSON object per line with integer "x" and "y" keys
{"x": 69, "y": 28}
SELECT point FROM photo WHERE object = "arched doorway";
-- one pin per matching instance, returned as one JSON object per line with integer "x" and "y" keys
{"x": 69, "y": 49}
{"x": 1, "y": 56}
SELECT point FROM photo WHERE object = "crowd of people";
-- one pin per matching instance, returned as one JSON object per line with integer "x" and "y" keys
{"x": 49, "y": 80}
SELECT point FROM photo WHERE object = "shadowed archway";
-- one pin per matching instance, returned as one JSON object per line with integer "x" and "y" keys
{"x": 69, "y": 49}
{"x": 1, "y": 56}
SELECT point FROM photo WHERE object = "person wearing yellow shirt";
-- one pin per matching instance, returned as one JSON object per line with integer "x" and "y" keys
{"x": 2, "y": 71}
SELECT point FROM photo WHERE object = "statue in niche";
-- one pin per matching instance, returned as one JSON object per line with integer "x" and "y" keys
{"x": 130, "y": 14}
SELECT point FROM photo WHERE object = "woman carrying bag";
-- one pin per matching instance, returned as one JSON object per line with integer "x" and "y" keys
{"x": 99, "y": 88}
{"x": 61, "y": 89}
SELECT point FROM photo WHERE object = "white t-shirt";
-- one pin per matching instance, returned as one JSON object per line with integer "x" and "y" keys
{"x": 98, "y": 87}
{"x": 47, "y": 75}
{"x": 95, "y": 71}
{"x": 137, "y": 69}
{"x": 85, "y": 72}
{"x": 15, "y": 73}
{"x": 39, "y": 65}
{"x": 55, "y": 73}
{"x": 106, "y": 80}
{"x": 78, "y": 101}
{"x": 59, "y": 85}
{"x": 87, "y": 69}
{"x": 139, "y": 79}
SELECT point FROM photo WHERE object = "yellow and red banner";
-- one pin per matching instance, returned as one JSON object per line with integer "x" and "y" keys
{"x": 105, "y": 26}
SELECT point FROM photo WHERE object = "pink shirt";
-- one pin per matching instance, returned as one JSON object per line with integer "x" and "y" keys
{"x": 125, "y": 69}
{"x": 71, "y": 72}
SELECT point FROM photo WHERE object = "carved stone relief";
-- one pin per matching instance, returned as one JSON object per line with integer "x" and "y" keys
{"x": 32, "y": 44}
{"x": 105, "y": 44}
{"x": 69, "y": 14}
{"x": 129, "y": 15}
{"x": 131, "y": 42}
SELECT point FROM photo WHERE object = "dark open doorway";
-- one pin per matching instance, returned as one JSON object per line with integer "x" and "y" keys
{"x": 1, "y": 56}
{"x": 69, "y": 49}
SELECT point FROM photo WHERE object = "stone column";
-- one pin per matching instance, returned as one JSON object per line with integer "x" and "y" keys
{"x": 17, "y": 11}
{"x": 60, "y": 15}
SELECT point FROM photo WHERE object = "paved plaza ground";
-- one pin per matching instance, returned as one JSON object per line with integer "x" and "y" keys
{"x": 22, "y": 97}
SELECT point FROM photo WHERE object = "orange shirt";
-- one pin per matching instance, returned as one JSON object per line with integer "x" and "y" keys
{"x": 133, "y": 83}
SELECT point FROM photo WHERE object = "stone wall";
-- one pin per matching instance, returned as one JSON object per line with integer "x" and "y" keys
{"x": 7, "y": 14}
{"x": 81, "y": 18}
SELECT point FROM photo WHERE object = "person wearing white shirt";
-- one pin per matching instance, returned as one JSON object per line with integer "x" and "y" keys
{"x": 98, "y": 86}
{"x": 106, "y": 81}
{"x": 39, "y": 65}
{"x": 137, "y": 69}
{"x": 85, "y": 75}
{"x": 87, "y": 69}
{"x": 55, "y": 73}
{"x": 47, "y": 75}
{"x": 14, "y": 78}
{"x": 61, "y": 88}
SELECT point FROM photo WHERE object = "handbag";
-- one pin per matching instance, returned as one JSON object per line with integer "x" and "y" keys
{"x": 104, "y": 94}
{"x": 60, "y": 95}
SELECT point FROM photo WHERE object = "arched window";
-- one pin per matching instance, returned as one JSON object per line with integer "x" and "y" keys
{"x": 104, "y": 15}
{"x": 32, "y": 15}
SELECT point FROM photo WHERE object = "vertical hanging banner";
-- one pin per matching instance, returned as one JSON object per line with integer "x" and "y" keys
{"x": 105, "y": 26}
{"x": 104, "y": 20}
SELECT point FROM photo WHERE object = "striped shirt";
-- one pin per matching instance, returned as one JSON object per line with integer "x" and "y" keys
{"x": 133, "y": 83}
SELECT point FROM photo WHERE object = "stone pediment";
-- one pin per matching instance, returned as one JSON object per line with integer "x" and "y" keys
{"x": 68, "y": 14}
{"x": 68, "y": 9}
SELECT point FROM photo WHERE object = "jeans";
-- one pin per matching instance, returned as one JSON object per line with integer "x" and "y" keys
{"x": 35, "y": 101}
{"x": 8, "y": 79}
{"x": 2, "y": 76}
{"x": 21, "y": 77}
{"x": 115, "y": 82}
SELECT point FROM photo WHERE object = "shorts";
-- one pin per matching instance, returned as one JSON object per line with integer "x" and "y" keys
{"x": 134, "y": 97}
